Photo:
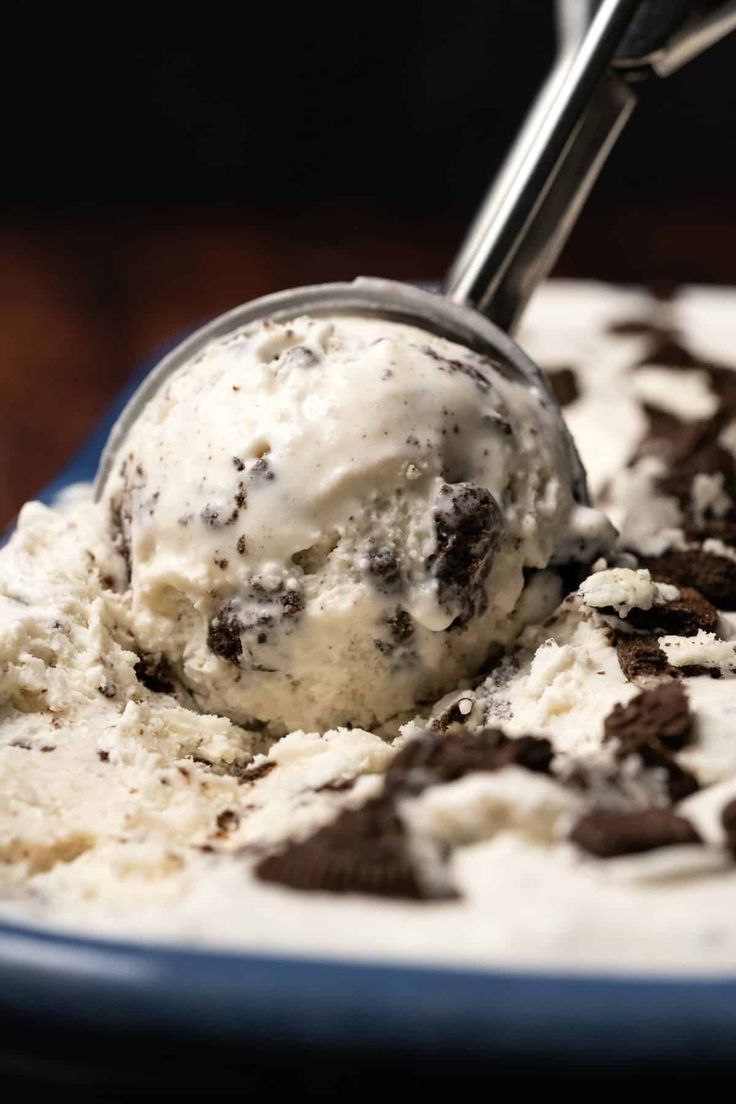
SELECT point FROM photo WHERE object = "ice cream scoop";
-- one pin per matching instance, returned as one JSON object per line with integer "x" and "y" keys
{"x": 329, "y": 520}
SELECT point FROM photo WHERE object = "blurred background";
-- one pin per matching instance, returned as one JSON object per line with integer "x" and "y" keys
{"x": 161, "y": 166}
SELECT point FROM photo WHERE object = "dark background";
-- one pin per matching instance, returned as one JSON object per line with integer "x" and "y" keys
{"x": 161, "y": 165}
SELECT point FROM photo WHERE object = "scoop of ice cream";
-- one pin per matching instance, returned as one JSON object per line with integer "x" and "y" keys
{"x": 330, "y": 521}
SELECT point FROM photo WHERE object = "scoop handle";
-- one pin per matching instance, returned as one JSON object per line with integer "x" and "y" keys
{"x": 534, "y": 202}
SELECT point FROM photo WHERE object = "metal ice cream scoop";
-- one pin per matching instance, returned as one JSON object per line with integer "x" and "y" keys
{"x": 605, "y": 51}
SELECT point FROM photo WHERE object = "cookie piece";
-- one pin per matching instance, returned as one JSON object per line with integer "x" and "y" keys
{"x": 444, "y": 757}
{"x": 652, "y": 725}
{"x": 683, "y": 616}
{"x": 153, "y": 671}
{"x": 564, "y": 385}
{"x": 714, "y": 576}
{"x": 363, "y": 851}
{"x": 468, "y": 524}
{"x": 661, "y": 715}
{"x": 607, "y": 833}
{"x": 640, "y": 656}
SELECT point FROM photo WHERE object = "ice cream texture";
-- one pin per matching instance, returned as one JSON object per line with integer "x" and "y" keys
{"x": 570, "y": 803}
{"x": 328, "y": 521}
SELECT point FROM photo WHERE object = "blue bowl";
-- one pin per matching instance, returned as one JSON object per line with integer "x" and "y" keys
{"x": 85, "y": 984}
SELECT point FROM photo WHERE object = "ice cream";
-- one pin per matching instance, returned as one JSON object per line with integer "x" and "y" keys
{"x": 328, "y": 521}
{"x": 572, "y": 804}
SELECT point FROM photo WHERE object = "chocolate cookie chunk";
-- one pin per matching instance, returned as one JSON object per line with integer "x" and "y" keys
{"x": 661, "y": 715}
{"x": 154, "y": 672}
{"x": 684, "y": 616}
{"x": 362, "y": 851}
{"x": 640, "y": 656}
{"x": 606, "y": 833}
{"x": 444, "y": 757}
{"x": 383, "y": 567}
{"x": 564, "y": 384}
{"x": 224, "y": 633}
{"x": 468, "y": 526}
{"x": 714, "y": 576}
{"x": 652, "y": 726}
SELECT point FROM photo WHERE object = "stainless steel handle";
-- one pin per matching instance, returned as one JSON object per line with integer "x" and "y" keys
{"x": 532, "y": 206}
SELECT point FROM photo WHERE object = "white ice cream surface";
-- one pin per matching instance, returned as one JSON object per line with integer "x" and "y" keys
{"x": 330, "y": 521}
{"x": 296, "y": 483}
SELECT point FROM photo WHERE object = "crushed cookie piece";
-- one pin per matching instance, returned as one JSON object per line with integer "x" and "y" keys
{"x": 364, "y": 850}
{"x": 683, "y": 616}
{"x": 640, "y": 656}
{"x": 223, "y": 634}
{"x": 153, "y": 671}
{"x": 661, "y": 714}
{"x": 227, "y": 821}
{"x": 254, "y": 773}
{"x": 468, "y": 525}
{"x": 564, "y": 384}
{"x": 446, "y": 756}
{"x": 607, "y": 833}
{"x": 383, "y": 567}
{"x": 714, "y": 576}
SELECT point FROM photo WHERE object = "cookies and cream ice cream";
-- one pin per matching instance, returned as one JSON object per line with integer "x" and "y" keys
{"x": 328, "y": 521}
{"x": 572, "y": 803}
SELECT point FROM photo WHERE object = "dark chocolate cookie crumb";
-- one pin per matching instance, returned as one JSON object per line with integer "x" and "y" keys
{"x": 383, "y": 567}
{"x": 564, "y": 384}
{"x": 652, "y": 726}
{"x": 444, "y": 757}
{"x": 292, "y": 603}
{"x": 239, "y": 465}
{"x": 223, "y": 635}
{"x": 468, "y": 526}
{"x": 241, "y": 546}
{"x": 714, "y": 576}
{"x": 254, "y": 773}
{"x": 108, "y": 689}
{"x": 103, "y": 756}
{"x": 607, "y": 833}
{"x": 660, "y": 715}
{"x": 461, "y": 367}
{"x": 262, "y": 469}
{"x": 683, "y": 616}
{"x": 215, "y": 518}
{"x": 640, "y": 656}
{"x": 227, "y": 821}
{"x": 363, "y": 851}
{"x": 154, "y": 672}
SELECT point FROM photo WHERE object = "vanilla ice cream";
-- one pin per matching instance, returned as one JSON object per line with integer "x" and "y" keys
{"x": 572, "y": 804}
{"x": 328, "y": 521}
